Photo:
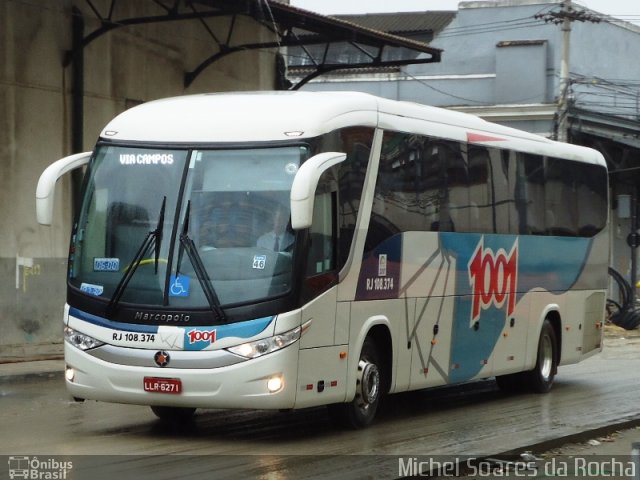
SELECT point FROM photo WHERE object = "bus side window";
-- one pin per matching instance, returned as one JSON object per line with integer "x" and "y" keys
{"x": 560, "y": 199}
{"x": 321, "y": 254}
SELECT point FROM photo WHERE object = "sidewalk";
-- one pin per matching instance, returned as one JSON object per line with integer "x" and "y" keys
{"x": 17, "y": 371}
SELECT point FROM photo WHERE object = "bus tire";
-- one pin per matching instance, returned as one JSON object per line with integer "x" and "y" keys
{"x": 173, "y": 414}
{"x": 540, "y": 379}
{"x": 361, "y": 411}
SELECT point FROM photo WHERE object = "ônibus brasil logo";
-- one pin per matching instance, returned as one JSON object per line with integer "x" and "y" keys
{"x": 494, "y": 278}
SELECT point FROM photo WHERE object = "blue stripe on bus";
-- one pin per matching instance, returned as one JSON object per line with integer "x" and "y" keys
{"x": 550, "y": 263}
{"x": 103, "y": 322}
{"x": 199, "y": 338}
{"x": 246, "y": 329}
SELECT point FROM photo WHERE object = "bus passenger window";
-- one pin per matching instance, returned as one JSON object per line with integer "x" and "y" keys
{"x": 321, "y": 255}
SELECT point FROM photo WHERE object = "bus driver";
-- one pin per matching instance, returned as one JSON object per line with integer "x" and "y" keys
{"x": 279, "y": 239}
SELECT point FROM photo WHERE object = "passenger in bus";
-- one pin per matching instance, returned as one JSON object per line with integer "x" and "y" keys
{"x": 279, "y": 239}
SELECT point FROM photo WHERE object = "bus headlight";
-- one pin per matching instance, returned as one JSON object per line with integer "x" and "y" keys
{"x": 266, "y": 345}
{"x": 80, "y": 340}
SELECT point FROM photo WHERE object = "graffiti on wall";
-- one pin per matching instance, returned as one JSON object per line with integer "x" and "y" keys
{"x": 25, "y": 268}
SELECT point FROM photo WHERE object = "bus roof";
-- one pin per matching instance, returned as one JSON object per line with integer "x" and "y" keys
{"x": 286, "y": 115}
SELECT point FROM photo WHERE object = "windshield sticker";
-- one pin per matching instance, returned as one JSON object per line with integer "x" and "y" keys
{"x": 259, "y": 262}
{"x": 291, "y": 168}
{"x": 106, "y": 264}
{"x": 146, "y": 159}
{"x": 92, "y": 289}
{"x": 382, "y": 265}
{"x": 179, "y": 286}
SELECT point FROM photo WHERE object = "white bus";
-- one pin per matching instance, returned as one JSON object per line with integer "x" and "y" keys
{"x": 416, "y": 247}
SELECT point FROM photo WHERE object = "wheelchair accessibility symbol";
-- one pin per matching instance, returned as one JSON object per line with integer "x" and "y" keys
{"x": 179, "y": 286}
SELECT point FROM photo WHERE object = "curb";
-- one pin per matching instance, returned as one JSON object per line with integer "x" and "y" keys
{"x": 573, "y": 438}
{"x": 22, "y": 371}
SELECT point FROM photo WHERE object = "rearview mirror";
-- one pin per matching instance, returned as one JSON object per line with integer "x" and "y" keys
{"x": 305, "y": 184}
{"x": 45, "y": 191}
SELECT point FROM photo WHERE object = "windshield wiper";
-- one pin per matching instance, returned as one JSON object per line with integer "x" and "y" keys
{"x": 158, "y": 235}
{"x": 151, "y": 240}
{"x": 187, "y": 245}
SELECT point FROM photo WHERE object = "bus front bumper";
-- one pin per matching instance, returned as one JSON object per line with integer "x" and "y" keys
{"x": 248, "y": 384}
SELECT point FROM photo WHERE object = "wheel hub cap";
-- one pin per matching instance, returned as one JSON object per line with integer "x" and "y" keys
{"x": 369, "y": 387}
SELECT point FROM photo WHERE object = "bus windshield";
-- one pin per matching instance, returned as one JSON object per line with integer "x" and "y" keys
{"x": 230, "y": 206}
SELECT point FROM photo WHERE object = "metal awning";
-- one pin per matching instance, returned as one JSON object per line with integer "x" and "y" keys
{"x": 616, "y": 137}
{"x": 293, "y": 27}
{"x": 618, "y": 129}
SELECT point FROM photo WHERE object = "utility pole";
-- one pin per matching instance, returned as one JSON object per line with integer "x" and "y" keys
{"x": 564, "y": 73}
{"x": 565, "y": 16}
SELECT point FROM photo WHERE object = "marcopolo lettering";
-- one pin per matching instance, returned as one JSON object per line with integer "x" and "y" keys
{"x": 494, "y": 278}
{"x": 162, "y": 317}
{"x": 146, "y": 158}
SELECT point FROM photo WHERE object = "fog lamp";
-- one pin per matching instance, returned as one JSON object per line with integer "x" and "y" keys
{"x": 275, "y": 384}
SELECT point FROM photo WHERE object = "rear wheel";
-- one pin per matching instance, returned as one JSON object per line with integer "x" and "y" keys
{"x": 173, "y": 414}
{"x": 541, "y": 377}
{"x": 361, "y": 411}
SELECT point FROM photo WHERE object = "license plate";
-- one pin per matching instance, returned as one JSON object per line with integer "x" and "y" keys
{"x": 163, "y": 385}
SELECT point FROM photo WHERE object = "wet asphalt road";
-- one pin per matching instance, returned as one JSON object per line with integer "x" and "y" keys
{"x": 110, "y": 441}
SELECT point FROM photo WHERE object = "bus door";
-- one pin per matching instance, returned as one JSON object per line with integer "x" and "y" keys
{"x": 322, "y": 373}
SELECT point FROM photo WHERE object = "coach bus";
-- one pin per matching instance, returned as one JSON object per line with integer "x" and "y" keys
{"x": 285, "y": 250}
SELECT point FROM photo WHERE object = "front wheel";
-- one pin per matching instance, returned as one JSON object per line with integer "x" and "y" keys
{"x": 361, "y": 411}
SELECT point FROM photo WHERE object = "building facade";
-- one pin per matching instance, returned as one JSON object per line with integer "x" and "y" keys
{"x": 503, "y": 60}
